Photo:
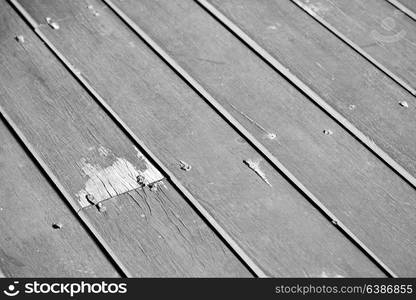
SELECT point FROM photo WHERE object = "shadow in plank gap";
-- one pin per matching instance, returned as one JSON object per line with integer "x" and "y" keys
{"x": 81, "y": 146}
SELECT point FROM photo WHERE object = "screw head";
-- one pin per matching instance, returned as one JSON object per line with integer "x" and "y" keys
{"x": 57, "y": 225}
{"x": 141, "y": 180}
{"x": 20, "y": 38}
{"x": 327, "y": 132}
{"x": 185, "y": 166}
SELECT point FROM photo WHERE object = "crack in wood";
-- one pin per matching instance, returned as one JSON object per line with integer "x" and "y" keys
{"x": 117, "y": 178}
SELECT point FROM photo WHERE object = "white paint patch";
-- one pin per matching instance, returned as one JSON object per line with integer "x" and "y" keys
{"x": 118, "y": 178}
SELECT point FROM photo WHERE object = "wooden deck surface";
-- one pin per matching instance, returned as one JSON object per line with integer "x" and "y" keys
{"x": 208, "y": 138}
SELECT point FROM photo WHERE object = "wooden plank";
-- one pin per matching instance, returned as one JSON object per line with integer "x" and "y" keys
{"x": 275, "y": 225}
{"x": 333, "y": 75}
{"x": 51, "y": 102}
{"x": 29, "y": 207}
{"x": 406, "y": 6}
{"x": 382, "y": 34}
{"x": 253, "y": 93}
{"x": 190, "y": 245}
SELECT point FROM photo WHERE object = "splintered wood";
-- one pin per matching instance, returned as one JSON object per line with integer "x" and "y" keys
{"x": 119, "y": 177}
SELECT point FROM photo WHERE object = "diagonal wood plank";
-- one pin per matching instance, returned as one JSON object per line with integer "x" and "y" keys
{"x": 272, "y": 222}
{"x": 349, "y": 179}
{"x": 29, "y": 207}
{"x": 406, "y": 6}
{"x": 382, "y": 34}
{"x": 332, "y": 74}
{"x": 410, "y": 4}
{"x": 63, "y": 124}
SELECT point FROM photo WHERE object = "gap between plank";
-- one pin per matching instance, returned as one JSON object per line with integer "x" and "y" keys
{"x": 285, "y": 72}
{"x": 403, "y": 8}
{"x": 250, "y": 138}
{"x": 58, "y": 186}
{"x": 232, "y": 244}
{"x": 355, "y": 47}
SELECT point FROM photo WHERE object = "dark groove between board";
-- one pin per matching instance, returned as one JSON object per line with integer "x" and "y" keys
{"x": 202, "y": 212}
{"x": 63, "y": 193}
{"x": 250, "y": 139}
{"x": 403, "y": 8}
{"x": 355, "y": 47}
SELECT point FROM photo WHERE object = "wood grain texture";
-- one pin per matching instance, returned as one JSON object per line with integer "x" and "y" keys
{"x": 345, "y": 176}
{"x": 47, "y": 100}
{"x": 334, "y": 71}
{"x": 146, "y": 227}
{"x": 29, "y": 206}
{"x": 275, "y": 225}
{"x": 82, "y": 145}
{"x": 376, "y": 28}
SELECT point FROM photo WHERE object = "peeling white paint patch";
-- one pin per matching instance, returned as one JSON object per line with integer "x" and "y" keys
{"x": 120, "y": 177}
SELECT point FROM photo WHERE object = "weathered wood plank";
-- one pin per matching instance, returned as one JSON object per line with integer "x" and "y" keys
{"x": 375, "y": 29}
{"x": 64, "y": 125}
{"x": 411, "y": 4}
{"x": 336, "y": 77}
{"x": 136, "y": 222}
{"x": 29, "y": 206}
{"x": 267, "y": 104}
{"x": 275, "y": 225}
